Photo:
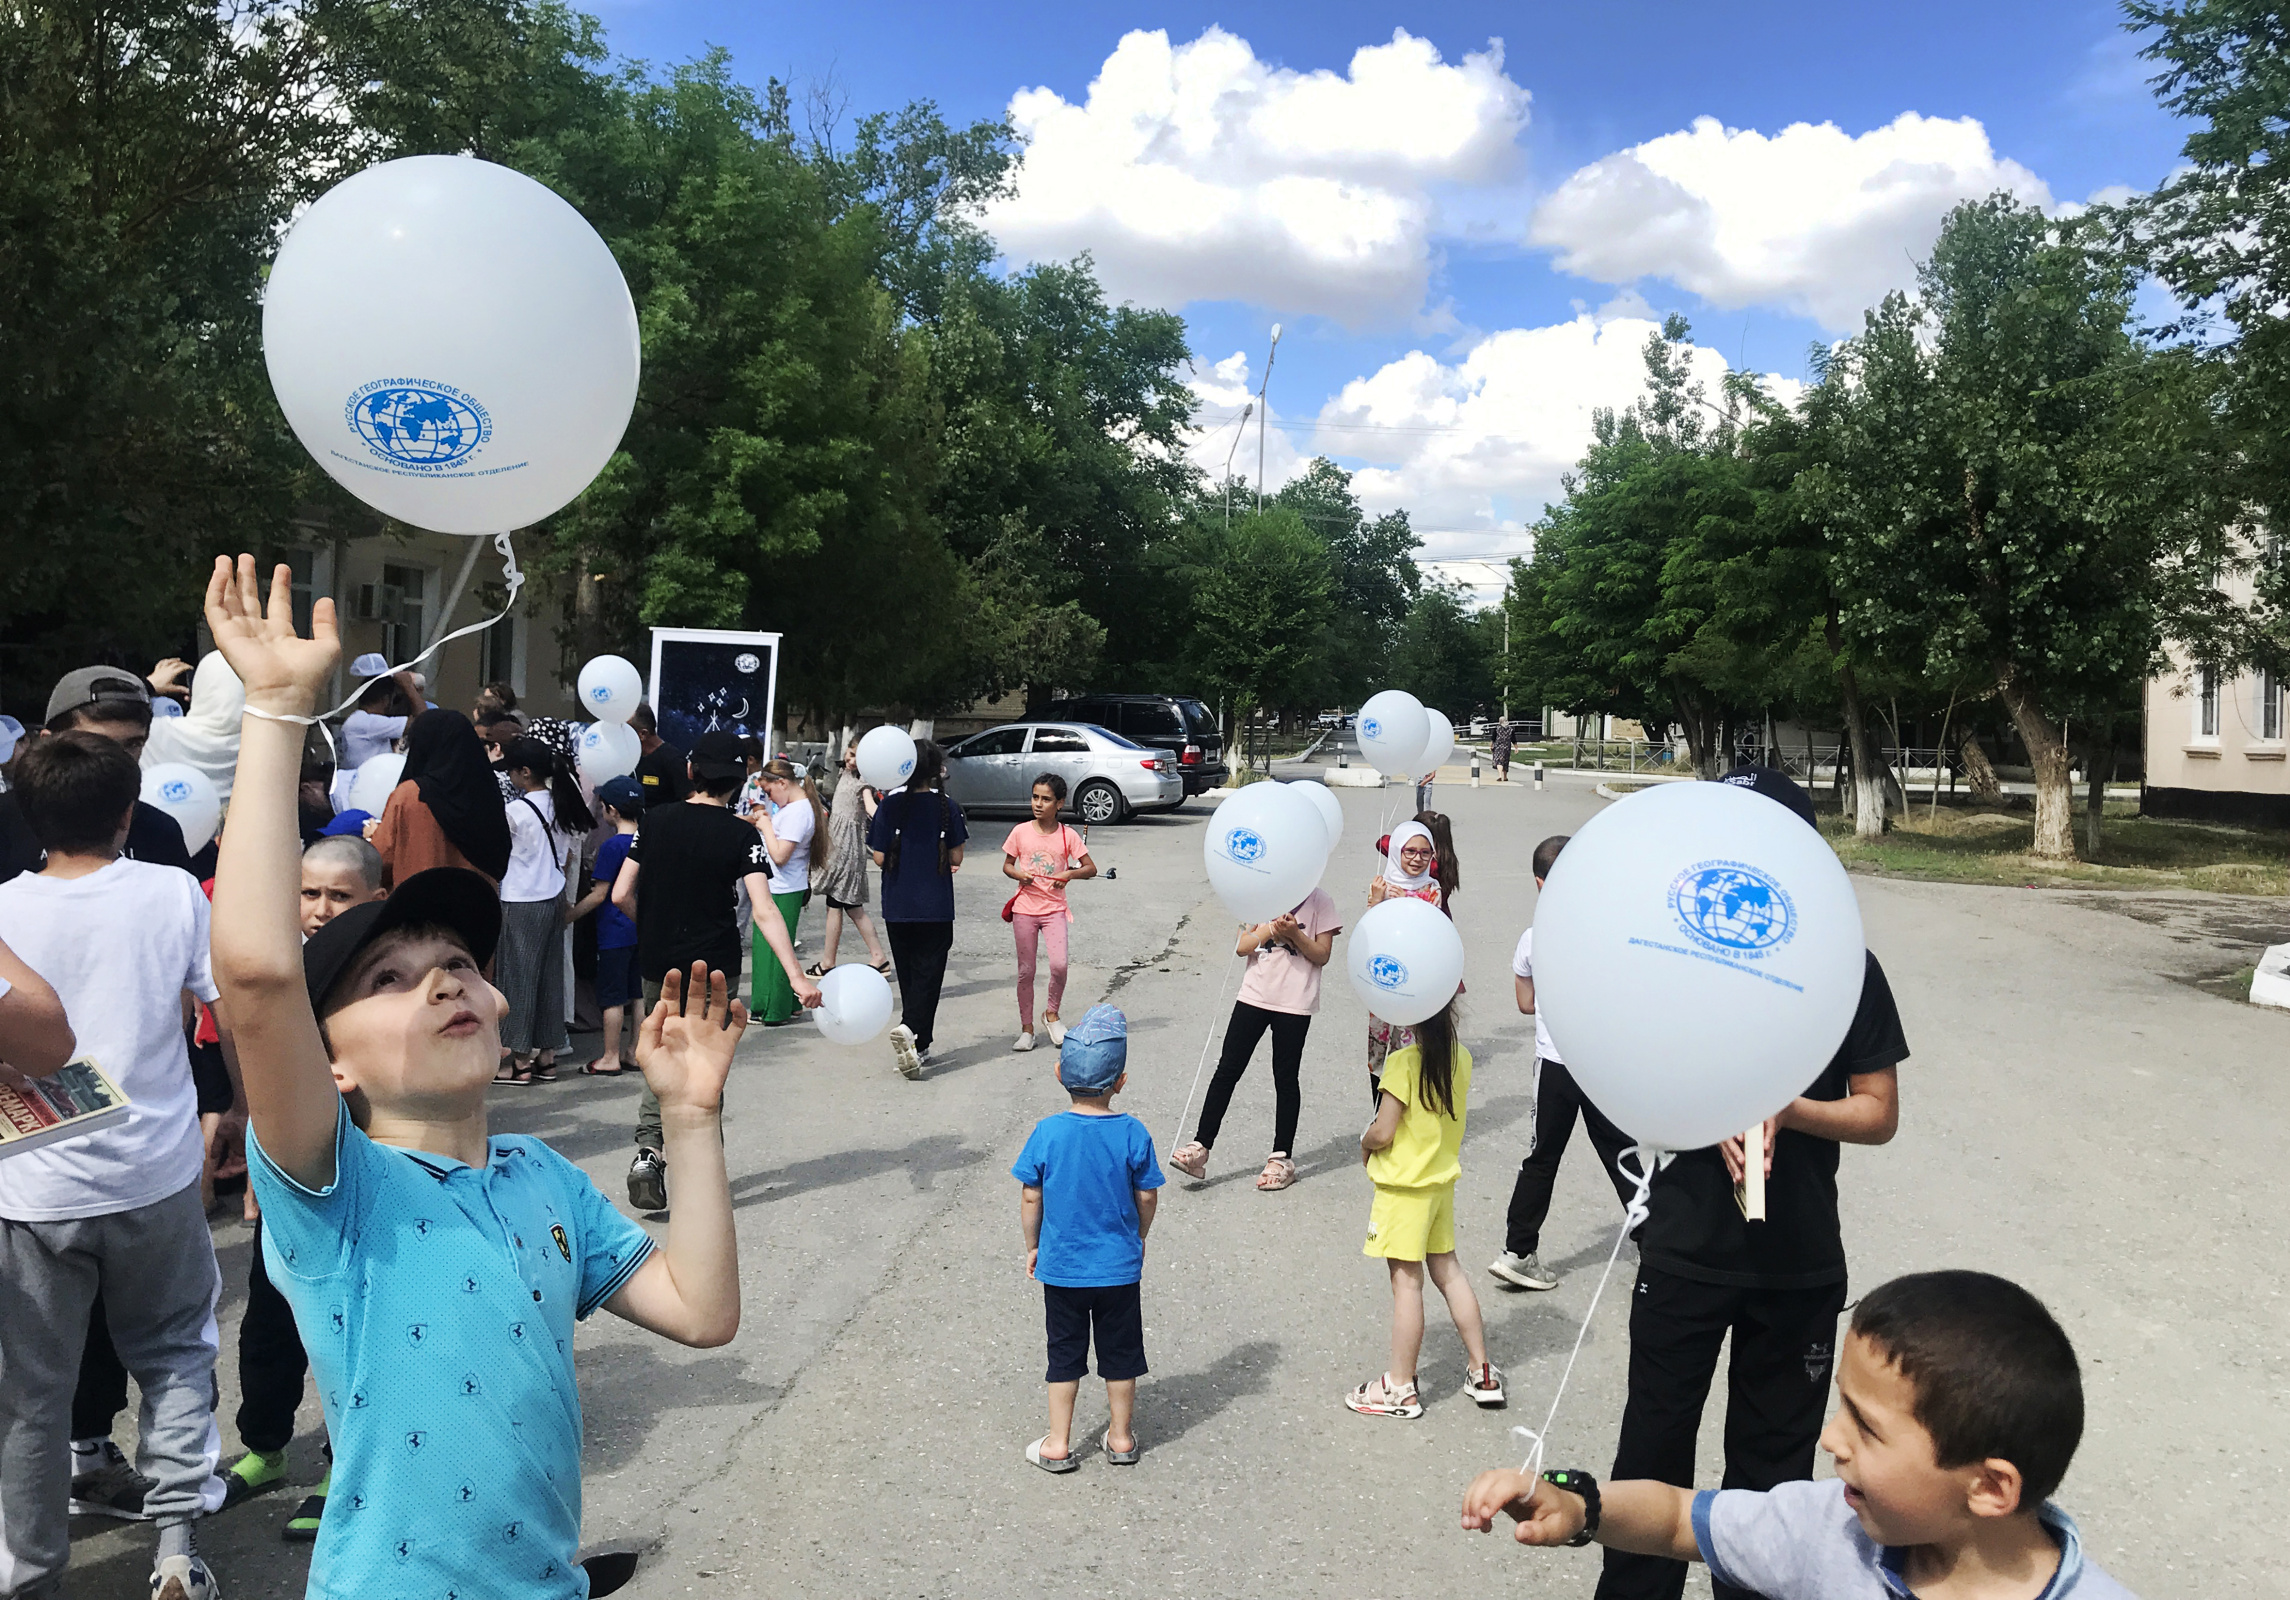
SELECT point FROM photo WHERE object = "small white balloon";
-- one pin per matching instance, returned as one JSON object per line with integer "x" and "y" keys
{"x": 189, "y": 796}
{"x": 854, "y": 1004}
{"x": 1265, "y": 849}
{"x": 452, "y": 342}
{"x": 1439, "y": 743}
{"x": 886, "y": 758}
{"x": 371, "y": 784}
{"x": 1393, "y": 732}
{"x": 610, "y": 687}
{"x": 1405, "y": 960}
{"x": 1726, "y": 906}
{"x": 605, "y": 751}
{"x": 1323, "y": 801}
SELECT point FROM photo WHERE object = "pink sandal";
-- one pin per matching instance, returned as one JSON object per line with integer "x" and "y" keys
{"x": 1192, "y": 1160}
{"x": 1279, "y": 1172}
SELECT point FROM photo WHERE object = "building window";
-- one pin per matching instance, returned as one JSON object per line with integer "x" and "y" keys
{"x": 501, "y": 652}
{"x": 2206, "y": 703}
{"x": 2269, "y": 706}
{"x": 402, "y": 612}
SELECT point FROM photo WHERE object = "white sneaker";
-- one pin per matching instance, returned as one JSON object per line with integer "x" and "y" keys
{"x": 903, "y": 1052}
{"x": 1057, "y": 1031}
{"x": 184, "y": 1578}
{"x": 1527, "y": 1271}
{"x": 1024, "y": 1041}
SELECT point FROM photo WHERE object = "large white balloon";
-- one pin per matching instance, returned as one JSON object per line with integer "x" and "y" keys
{"x": 605, "y": 751}
{"x": 1405, "y": 959}
{"x": 1393, "y": 733}
{"x": 1265, "y": 849}
{"x": 1704, "y": 901}
{"x": 189, "y": 796}
{"x": 854, "y": 1004}
{"x": 886, "y": 758}
{"x": 1323, "y": 801}
{"x": 610, "y": 687}
{"x": 453, "y": 342}
{"x": 371, "y": 784}
{"x": 1439, "y": 741}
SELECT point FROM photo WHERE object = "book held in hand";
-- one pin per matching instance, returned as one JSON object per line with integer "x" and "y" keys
{"x": 78, "y": 1100}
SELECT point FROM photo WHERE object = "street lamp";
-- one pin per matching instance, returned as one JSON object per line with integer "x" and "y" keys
{"x": 1265, "y": 415}
{"x": 1238, "y": 434}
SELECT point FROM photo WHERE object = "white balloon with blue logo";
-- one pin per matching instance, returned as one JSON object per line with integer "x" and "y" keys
{"x": 1265, "y": 848}
{"x": 1393, "y": 733}
{"x": 189, "y": 796}
{"x": 1323, "y": 801}
{"x": 886, "y": 758}
{"x": 1439, "y": 741}
{"x": 1698, "y": 958}
{"x": 610, "y": 688}
{"x": 605, "y": 751}
{"x": 370, "y": 784}
{"x": 1405, "y": 960}
{"x": 452, "y": 342}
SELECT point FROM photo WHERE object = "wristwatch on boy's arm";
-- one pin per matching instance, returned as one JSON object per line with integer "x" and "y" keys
{"x": 1577, "y": 1482}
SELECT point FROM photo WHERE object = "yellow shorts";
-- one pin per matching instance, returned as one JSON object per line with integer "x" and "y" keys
{"x": 1410, "y": 1224}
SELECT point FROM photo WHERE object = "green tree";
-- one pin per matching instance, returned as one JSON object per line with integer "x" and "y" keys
{"x": 1442, "y": 656}
{"x": 1262, "y": 605}
{"x": 1377, "y": 581}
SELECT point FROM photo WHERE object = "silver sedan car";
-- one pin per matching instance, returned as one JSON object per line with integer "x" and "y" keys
{"x": 1108, "y": 778}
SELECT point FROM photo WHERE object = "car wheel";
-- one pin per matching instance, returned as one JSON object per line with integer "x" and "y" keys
{"x": 1099, "y": 803}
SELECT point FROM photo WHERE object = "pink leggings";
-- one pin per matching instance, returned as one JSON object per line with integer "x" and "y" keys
{"x": 1050, "y": 931}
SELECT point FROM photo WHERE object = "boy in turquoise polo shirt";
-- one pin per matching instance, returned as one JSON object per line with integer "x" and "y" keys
{"x": 435, "y": 1271}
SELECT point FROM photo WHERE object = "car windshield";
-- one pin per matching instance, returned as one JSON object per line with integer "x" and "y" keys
{"x": 1111, "y": 737}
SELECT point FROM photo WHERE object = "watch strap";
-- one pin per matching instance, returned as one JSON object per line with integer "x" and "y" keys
{"x": 1577, "y": 1482}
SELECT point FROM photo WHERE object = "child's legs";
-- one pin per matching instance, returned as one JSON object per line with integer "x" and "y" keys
{"x": 1462, "y": 1303}
{"x": 1777, "y": 1383}
{"x": 1288, "y": 1031}
{"x": 834, "y": 934}
{"x": 611, "y": 1044}
{"x": 1063, "y": 1397}
{"x": 1556, "y": 1101}
{"x": 1241, "y": 1033}
{"x": 272, "y": 1362}
{"x": 1065, "y": 1321}
{"x": 1117, "y": 1323}
{"x": 1053, "y": 938}
{"x": 866, "y": 926}
{"x": 1676, "y": 1329}
{"x": 1027, "y": 930}
{"x": 100, "y": 1395}
{"x": 1406, "y": 1319}
{"x": 517, "y": 969}
{"x": 160, "y": 1287}
{"x": 549, "y": 1035}
{"x": 51, "y": 1279}
{"x": 1121, "y": 1408}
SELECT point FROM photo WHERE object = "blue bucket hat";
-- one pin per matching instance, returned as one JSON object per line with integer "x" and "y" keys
{"x": 1095, "y": 1052}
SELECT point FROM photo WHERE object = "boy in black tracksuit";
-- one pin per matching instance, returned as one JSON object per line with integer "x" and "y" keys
{"x": 1777, "y": 1286}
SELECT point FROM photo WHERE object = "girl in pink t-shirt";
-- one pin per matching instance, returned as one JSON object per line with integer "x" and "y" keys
{"x": 1042, "y": 857}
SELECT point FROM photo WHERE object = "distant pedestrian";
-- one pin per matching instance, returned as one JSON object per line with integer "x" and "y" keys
{"x": 1499, "y": 750}
{"x": 1042, "y": 857}
{"x": 662, "y": 767}
{"x": 842, "y": 876}
{"x": 386, "y": 711}
{"x": 917, "y": 838}
{"x": 547, "y": 822}
{"x": 618, "y": 988}
{"x": 792, "y": 828}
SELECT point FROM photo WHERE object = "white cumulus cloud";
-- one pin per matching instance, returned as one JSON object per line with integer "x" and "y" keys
{"x": 1198, "y": 172}
{"x": 1810, "y": 219}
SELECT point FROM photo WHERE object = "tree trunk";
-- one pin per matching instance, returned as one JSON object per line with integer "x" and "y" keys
{"x": 2098, "y": 767}
{"x": 1705, "y": 735}
{"x": 2047, "y": 753}
{"x": 1972, "y": 761}
{"x": 1868, "y": 772}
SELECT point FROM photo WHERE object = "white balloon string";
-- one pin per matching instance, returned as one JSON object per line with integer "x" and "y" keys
{"x": 1205, "y": 1044}
{"x": 1634, "y": 1211}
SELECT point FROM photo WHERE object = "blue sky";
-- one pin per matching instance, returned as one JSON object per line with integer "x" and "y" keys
{"x": 1465, "y": 247}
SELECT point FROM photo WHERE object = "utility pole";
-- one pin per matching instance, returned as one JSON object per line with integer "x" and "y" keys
{"x": 1506, "y": 658}
{"x": 1264, "y": 413}
{"x": 1238, "y": 434}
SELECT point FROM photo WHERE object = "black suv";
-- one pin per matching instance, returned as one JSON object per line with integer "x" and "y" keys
{"x": 1164, "y": 722}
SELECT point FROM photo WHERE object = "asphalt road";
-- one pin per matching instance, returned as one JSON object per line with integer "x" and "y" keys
{"x": 2076, "y": 1115}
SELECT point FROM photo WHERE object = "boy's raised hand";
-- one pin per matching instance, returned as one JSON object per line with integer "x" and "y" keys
{"x": 282, "y": 671}
{"x": 685, "y": 1058}
{"x": 1546, "y": 1514}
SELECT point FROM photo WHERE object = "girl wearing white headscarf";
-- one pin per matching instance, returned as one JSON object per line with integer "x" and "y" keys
{"x": 1410, "y": 860}
{"x": 206, "y": 736}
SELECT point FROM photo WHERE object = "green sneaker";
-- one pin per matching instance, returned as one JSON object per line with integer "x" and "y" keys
{"x": 302, "y": 1527}
{"x": 252, "y": 1474}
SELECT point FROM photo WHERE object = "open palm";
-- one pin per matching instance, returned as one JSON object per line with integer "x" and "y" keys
{"x": 686, "y": 1053}
{"x": 274, "y": 662}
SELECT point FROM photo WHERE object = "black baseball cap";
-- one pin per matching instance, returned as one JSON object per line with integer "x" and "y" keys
{"x": 718, "y": 754}
{"x": 1776, "y": 786}
{"x": 453, "y": 898}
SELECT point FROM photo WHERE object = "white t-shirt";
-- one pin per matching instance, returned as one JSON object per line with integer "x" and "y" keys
{"x": 119, "y": 946}
{"x": 365, "y": 736}
{"x": 1522, "y": 963}
{"x": 795, "y": 825}
{"x": 537, "y": 849}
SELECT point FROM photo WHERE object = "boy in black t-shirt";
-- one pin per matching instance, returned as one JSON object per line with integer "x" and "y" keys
{"x": 688, "y": 856}
{"x": 1778, "y": 1286}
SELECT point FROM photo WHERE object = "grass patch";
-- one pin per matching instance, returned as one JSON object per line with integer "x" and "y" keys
{"x": 1967, "y": 846}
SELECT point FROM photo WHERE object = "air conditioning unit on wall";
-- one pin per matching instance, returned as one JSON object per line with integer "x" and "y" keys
{"x": 379, "y": 602}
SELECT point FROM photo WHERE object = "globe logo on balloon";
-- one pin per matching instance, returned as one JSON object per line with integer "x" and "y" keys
{"x": 175, "y": 790}
{"x": 1244, "y": 845}
{"x": 906, "y": 767}
{"x": 1387, "y": 972}
{"x": 1372, "y": 728}
{"x": 419, "y": 424}
{"x": 1733, "y": 907}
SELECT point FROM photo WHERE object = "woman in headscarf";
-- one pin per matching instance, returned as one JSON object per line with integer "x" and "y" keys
{"x": 206, "y": 736}
{"x": 1410, "y": 859}
{"x": 446, "y": 810}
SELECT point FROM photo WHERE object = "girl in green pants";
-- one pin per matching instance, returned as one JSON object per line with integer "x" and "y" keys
{"x": 789, "y": 832}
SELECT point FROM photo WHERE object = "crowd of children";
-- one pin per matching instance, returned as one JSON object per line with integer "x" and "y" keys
{"x": 362, "y": 994}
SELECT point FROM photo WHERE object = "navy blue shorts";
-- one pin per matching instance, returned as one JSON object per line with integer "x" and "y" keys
{"x": 616, "y": 980}
{"x": 1114, "y": 1314}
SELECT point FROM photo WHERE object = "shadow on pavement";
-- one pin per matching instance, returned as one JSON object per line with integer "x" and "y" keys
{"x": 922, "y": 1162}
{"x": 632, "y": 1389}
{"x": 1169, "y": 1408}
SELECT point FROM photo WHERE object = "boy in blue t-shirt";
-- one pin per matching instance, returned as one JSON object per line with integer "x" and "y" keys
{"x": 1087, "y": 1203}
{"x": 618, "y": 985}
{"x": 435, "y": 1271}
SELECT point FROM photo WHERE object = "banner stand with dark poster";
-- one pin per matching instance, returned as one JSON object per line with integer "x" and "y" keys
{"x": 706, "y": 679}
